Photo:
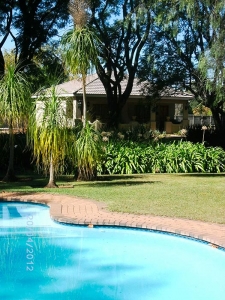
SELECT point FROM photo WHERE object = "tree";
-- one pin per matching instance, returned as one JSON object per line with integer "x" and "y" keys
{"x": 49, "y": 134}
{"x": 80, "y": 51}
{"x": 80, "y": 46}
{"x": 15, "y": 106}
{"x": 123, "y": 27}
{"x": 31, "y": 25}
{"x": 88, "y": 152}
{"x": 187, "y": 51}
{"x": 46, "y": 63}
{"x": 5, "y": 25}
{"x": 47, "y": 67}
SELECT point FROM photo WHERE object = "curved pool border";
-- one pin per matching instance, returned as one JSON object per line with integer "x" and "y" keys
{"x": 78, "y": 211}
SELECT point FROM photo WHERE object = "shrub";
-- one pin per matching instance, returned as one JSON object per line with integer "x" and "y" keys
{"x": 88, "y": 152}
{"x": 124, "y": 157}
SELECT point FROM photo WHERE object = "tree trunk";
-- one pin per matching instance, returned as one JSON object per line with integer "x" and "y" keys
{"x": 113, "y": 110}
{"x": 84, "y": 100}
{"x": 116, "y": 99}
{"x": 217, "y": 118}
{"x": 10, "y": 174}
{"x": 2, "y": 64}
{"x": 51, "y": 183}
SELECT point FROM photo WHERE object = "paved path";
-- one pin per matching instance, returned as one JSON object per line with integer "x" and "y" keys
{"x": 75, "y": 210}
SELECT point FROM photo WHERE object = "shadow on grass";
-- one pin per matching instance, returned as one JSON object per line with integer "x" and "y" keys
{"x": 119, "y": 177}
{"x": 204, "y": 174}
{"x": 35, "y": 179}
{"x": 31, "y": 183}
{"x": 124, "y": 183}
{"x": 24, "y": 182}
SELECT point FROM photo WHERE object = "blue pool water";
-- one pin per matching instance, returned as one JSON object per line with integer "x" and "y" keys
{"x": 41, "y": 259}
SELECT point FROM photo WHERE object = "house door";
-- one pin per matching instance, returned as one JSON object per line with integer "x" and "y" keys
{"x": 163, "y": 113}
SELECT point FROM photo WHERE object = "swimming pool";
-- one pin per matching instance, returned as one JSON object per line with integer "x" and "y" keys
{"x": 42, "y": 259}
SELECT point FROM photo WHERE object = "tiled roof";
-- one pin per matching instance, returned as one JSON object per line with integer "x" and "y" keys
{"x": 172, "y": 92}
{"x": 94, "y": 86}
{"x": 72, "y": 86}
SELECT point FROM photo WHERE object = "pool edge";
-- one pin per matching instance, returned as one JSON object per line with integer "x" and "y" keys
{"x": 63, "y": 211}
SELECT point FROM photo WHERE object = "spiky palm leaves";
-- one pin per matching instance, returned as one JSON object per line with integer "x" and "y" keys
{"x": 80, "y": 52}
{"x": 80, "y": 48}
{"x": 15, "y": 105}
{"x": 49, "y": 134}
{"x": 88, "y": 151}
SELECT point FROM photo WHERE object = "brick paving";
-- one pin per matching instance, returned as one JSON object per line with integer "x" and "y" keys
{"x": 75, "y": 210}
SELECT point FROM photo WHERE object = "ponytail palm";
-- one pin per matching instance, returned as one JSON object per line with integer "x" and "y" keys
{"x": 80, "y": 52}
{"x": 15, "y": 104}
{"x": 49, "y": 135}
{"x": 88, "y": 151}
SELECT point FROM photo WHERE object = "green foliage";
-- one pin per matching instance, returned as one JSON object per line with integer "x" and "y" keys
{"x": 15, "y": 95}
{"x": 15, "y": 92}
{"x": 48, "y": 133}
{"x": 186, "y": 51}
{"x": 183, "y": 157}
{"x": 123, "y": 158}
{"x": 47, "y": 68}
{"x": 87, "y": 151}
{"x": 36, "y": 24}
{"x": 124, "y": 28}
{"x": 80, "y": 52}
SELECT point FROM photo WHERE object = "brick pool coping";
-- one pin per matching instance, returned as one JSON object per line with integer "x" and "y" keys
{"x": 74, "y": 210}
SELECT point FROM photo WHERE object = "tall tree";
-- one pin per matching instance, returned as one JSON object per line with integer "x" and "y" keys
{"x": 47, "y": 67}
{"x": 80, "y": 51}
{"x": 15, "y": 106}
{"x": 49, "y": 134}
{"x": 123, "y": 27}
{"x": 80, "y": 46}
{"x": 30, "y": 24}
{"x": 187, "y": 50}
{"x": 88, "y": 152}
{"x": 6, "y": 17}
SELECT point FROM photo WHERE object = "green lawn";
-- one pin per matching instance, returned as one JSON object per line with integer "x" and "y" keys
{"x": 190, "y": 196}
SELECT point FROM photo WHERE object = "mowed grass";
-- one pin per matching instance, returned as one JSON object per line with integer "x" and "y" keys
{"x": 189, "y": 196}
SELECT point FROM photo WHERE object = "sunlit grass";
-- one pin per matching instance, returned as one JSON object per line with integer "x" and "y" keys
{"x": 190, "y": 196}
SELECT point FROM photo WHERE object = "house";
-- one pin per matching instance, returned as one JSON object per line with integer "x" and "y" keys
{"x": 136, "y": 111}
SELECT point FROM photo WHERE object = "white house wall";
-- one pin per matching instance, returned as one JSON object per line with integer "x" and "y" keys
{"x": 39, "y": 112}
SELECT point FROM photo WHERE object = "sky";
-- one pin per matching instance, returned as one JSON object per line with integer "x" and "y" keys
{"x": 8, "y": 44}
